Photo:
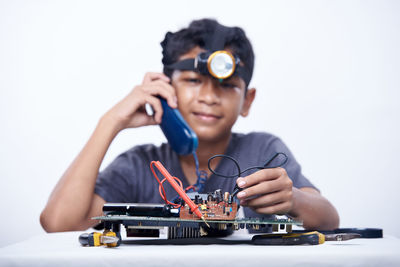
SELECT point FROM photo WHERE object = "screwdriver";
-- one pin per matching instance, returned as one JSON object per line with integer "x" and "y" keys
{"x": 96, "y": 239}
{"x": 310, "y": 238}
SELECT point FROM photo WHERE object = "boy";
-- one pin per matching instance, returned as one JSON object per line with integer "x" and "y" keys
{"x": 210, "y": 106}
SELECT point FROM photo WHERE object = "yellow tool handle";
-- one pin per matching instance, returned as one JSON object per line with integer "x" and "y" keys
{"x": 321, "y": 237}
{"x": 310, "y": 238}
{"x": 90, "y": 239}
{"x": 96, "y": 239}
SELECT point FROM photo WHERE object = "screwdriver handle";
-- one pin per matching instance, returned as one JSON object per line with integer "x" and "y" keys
{"x": 311, "y": 238}
{"x": 90, "y": 239}
{"x": 84, "y": 239}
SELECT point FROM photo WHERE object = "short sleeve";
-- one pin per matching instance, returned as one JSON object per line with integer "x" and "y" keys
{"x": 128, "y": 179}
{"x": 115, "y": 182}
{"x": 292, "y": 167}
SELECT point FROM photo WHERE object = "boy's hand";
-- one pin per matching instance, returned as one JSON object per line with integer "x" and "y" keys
{"x": 268, "y": 191}
{"x": 130, "y": 112}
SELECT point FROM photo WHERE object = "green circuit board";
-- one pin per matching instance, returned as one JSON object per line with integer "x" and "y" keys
{"x": 177, "y": 219}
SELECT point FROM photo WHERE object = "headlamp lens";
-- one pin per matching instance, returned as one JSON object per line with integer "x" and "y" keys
{"x": 221, "y": 64}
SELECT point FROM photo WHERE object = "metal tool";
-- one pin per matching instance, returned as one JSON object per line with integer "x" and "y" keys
{"x": 341, "y": 236}
{"x": 96, "y": 239}
{"x": 310, "y": 238}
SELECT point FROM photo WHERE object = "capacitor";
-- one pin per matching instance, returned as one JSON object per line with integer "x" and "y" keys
{"x": 210, "y": 197}
{"x": 230, "y": 199}
{"x": 219, "y": 195}
{"x": 196, "y": 199}
{"x": 226, "y": 196}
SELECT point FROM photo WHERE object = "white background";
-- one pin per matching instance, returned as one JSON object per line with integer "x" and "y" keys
{"x": 327, "y": 74}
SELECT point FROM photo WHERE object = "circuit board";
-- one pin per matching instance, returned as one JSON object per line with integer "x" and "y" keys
{"x": 218, "y": 210}
{"x": 142, "y": 226}
{"x": 212, "y": 211}
{"x": 175, "y": 221}
{"x": 214, "y": 206}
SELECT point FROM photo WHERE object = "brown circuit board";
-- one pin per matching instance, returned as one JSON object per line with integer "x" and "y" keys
{"x": 213, "y": 206}
{"x": 211, "y": 211}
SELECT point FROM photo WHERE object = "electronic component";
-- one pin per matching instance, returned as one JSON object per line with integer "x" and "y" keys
{"x": 213, "y": 206}
{"x": 187, "y": 216}
{"x": 141, "y": 209}
{"x": 145, "y": 226}
{"x": 178, "y": 188}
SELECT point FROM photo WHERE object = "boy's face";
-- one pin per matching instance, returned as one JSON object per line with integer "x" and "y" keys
{"x": 210, "y": 107}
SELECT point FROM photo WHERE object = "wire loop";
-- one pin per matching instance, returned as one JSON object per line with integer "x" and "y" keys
{"x": 239, "y": 172}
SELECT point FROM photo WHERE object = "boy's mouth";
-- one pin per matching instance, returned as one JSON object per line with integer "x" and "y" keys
{"x": 207, "y": 117}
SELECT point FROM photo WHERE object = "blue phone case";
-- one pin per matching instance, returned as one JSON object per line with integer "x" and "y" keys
{"x": 181, "y": 137}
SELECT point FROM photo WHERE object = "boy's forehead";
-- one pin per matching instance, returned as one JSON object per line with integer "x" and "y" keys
{"x": 192, "y": 53}
{"x": 177, "y": 74}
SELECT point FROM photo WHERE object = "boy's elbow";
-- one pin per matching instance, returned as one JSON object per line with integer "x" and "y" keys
{"x": 48, "y": 223}
{"x": 331, "y": 219}
{"x": 335, "y": 221}
{"x": 322, "y": 224}
{"x": 53, "y": 223}
{"x": 327, "y": 222}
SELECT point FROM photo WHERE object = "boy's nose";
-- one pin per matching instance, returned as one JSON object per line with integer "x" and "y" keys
{"x": 209, "y": 93}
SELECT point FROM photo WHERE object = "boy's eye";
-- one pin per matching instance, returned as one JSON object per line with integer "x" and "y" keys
{"x": 193, "y": 80}
{"x": 228, "y": 85}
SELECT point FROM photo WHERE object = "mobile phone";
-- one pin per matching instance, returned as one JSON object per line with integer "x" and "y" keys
{"x": 182, "y": 139}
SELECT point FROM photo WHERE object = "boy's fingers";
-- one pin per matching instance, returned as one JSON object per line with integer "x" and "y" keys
{"x": 152, "y": 76}
{"x": 164, "y": 90}
{"x": 171, "y": 98}
{"x": 261, "y": 189}
{"x": 260, "y": 176}
{"x": 281, "y": 208}
{"x": 144, "y": 119}
{"x": 164, "y": 86}
{"x": 156, "y": 104}
{"x": 268, "y": 199}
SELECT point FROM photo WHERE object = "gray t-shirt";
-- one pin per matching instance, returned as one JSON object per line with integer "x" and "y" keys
{"x": 128, "y": 179}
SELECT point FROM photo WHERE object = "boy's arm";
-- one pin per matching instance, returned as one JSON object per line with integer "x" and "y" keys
{"x": 72, "y": 198}
{"x": 313, "y": 209}
{"x": 271, "y": 191}
{"x": 73, "y": 201}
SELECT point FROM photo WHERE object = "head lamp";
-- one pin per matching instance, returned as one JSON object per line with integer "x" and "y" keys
{"x": 220, "y": 64}
{"x": 215, "y": 61}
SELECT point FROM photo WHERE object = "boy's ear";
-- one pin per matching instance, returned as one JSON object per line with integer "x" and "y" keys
{"x": 248, "y": 100}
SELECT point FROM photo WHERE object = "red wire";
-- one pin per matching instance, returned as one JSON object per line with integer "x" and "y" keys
{"x": 189, "y": 187}
{"x": 161, "y": 187}
{"x": 178, "y": 188}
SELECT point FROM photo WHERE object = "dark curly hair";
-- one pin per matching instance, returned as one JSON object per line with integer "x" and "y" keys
{"x": 176, "y": 44}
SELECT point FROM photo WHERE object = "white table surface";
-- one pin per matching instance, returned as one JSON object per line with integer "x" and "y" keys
{"x": 63, "y": 249}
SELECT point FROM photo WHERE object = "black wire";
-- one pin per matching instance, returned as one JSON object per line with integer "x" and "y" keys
{"x": 223, "y": 156}
{"x": 276, "y": 155}
{"x": 248, "y": 169}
